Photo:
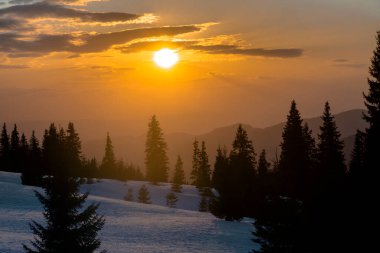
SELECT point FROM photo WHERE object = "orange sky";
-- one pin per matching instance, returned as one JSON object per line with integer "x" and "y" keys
{"x": 240, "y": 61}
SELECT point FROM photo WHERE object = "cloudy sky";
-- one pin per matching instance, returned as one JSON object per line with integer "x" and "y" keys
{"x": 240, "y": 61}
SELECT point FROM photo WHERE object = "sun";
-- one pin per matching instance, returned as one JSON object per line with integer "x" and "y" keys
{"x": 165, "y": 58}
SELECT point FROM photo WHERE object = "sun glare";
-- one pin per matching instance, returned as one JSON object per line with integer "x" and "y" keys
{"x": 165, "y": 58}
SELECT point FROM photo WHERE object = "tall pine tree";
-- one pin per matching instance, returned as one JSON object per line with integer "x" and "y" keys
{"x": 372, "y": 116}
{"x": 5, "y": 149}
{"x": 108, "y": 166}
{"x": 156, "y": 159}
{"x": 331, "y": 164}
{"x": 357, "y": 155}
{"x": 194, "y": 176}
{"x": 264, "y": 165}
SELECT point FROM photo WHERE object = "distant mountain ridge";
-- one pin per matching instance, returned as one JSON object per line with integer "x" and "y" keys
{"x": 131, "y": 149}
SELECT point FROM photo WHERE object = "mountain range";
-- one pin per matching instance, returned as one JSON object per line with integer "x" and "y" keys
{"x": 131, "y": 149}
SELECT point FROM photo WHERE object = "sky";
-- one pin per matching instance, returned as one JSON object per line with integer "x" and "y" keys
{"x": 240, "y": 61}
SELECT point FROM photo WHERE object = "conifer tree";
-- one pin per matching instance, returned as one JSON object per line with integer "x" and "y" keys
{"x": 357, "y": 155}
{"x": 52, "y": 152}
{"x": 204, "y": 171}
{"x": 221, "y": 170}
{"x": 171, "y": 200}
{"x": 294, "y": 162}
{"x": 156, "y": 160}
{"x": 195, "y": 163}
{"x": 15, "y": 149}
{"x": 264, "y": 165}
{"x": 109, "y": 161}
{"x": 144, "y": 195}
{"x": 69, "y": 228}
{"x": 73, "y": 150}
{"x": 179, "y": 176}
{"x": 5, "y": 148}
{"x": 372, "y": 116}
{"x": 129, "y": 196}
{"x": 330, "y": 150}
{"x": 33, "y": 172}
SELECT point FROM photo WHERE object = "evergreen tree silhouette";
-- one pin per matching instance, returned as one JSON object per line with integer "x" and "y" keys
{"x": 330, "y": 150}
{"x": 5, "y": 149}
{"x": 53, "y": 152}
{"x": 357, "y": 155}
{"x": 68, "y": 228}
{"x": 221, "y": 170}
{"x": 144, "y": 195}
{"x": 129, "y": 196}
{"x": 108, "y": 165}
{"x": 294, "y": 164}
{"x": 264, "y": 165}
{"x": 32, "y": 173}
{"x": 156, "y": 160}
{"x": 73, "y": 150}
{"x": 179, "y": 176}
{"x": 171, "y": 200}
{"x": 195, "y": 163}
{"x": 372, "y": 116}
{"x": 15, "y": 149}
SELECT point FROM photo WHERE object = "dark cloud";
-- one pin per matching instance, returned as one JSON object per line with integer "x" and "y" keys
{"x": 14, "y": 44}
{"x": 21, "y": 1}
{"x": 9, "y": 23}
{"x": 213, "y": 49}
{"x": 47, "y": 10}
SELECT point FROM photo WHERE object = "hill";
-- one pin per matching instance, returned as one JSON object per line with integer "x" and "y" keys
{"x": 130, "y": 227}
{"x": 269, "y": 138}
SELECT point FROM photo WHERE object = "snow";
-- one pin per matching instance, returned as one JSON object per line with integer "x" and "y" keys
{"x": 130, "y": 226}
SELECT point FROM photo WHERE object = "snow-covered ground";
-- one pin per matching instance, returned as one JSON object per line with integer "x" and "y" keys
{"x": 130, "y": 227}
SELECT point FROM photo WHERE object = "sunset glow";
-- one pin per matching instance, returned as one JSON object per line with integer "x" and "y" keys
{"x": 165, "y": 58}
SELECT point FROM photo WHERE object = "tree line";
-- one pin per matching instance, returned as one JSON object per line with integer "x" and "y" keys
{"x": 59, "y": 152}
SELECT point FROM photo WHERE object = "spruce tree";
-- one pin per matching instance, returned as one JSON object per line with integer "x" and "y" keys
{"x": 74, "y": 150}
{"x": 52, "y": 152}
{"x": 5, "y": 149}
{"x": 264, "y": 165}
{"x": 357, "y": 155}
{"x": 179, "y": 176}
{"x": 108, "y": 165}
{"x": 195, "y": 163}
{"x": 331, "y": 164}
{"x": 221, "y": 170}
{"x": 243, "y": 169}
{"x": 69, "y": 226}
{"x": 15, "y": 149}
{"x": 171, "y": 200}
{"x": 33, "y": 172}
{"x": 129, "y": 195}
{"x": 156, "y": 160}
{"x": 144, "y": 195}
{"x": 294, "y": 164}
{"x": 204, "y": 172}
{"x": 372, "y": 116}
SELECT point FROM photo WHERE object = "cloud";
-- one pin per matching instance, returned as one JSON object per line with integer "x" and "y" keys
{"x": 66, "y": 2}
{"x": 5, "y": 66}
{"x": 345, "y": 63}
{"x": 213, "y": 49}
{"x": 47, "y": 10}
{"x": 16, "y": 44}
{"x": 8, "y": 23}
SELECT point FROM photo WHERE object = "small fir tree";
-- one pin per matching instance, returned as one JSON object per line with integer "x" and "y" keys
{"x": 144, "y": 195}
{"x": 179, "y": 176}
{"x": 129, "y": 196}
{"x": 171, "y": 200}
{"x": 264, "y": 165}
{"x": 68, "y": 228}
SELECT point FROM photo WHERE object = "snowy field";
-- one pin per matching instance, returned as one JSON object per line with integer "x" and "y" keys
{"x": 130, "y": 227}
